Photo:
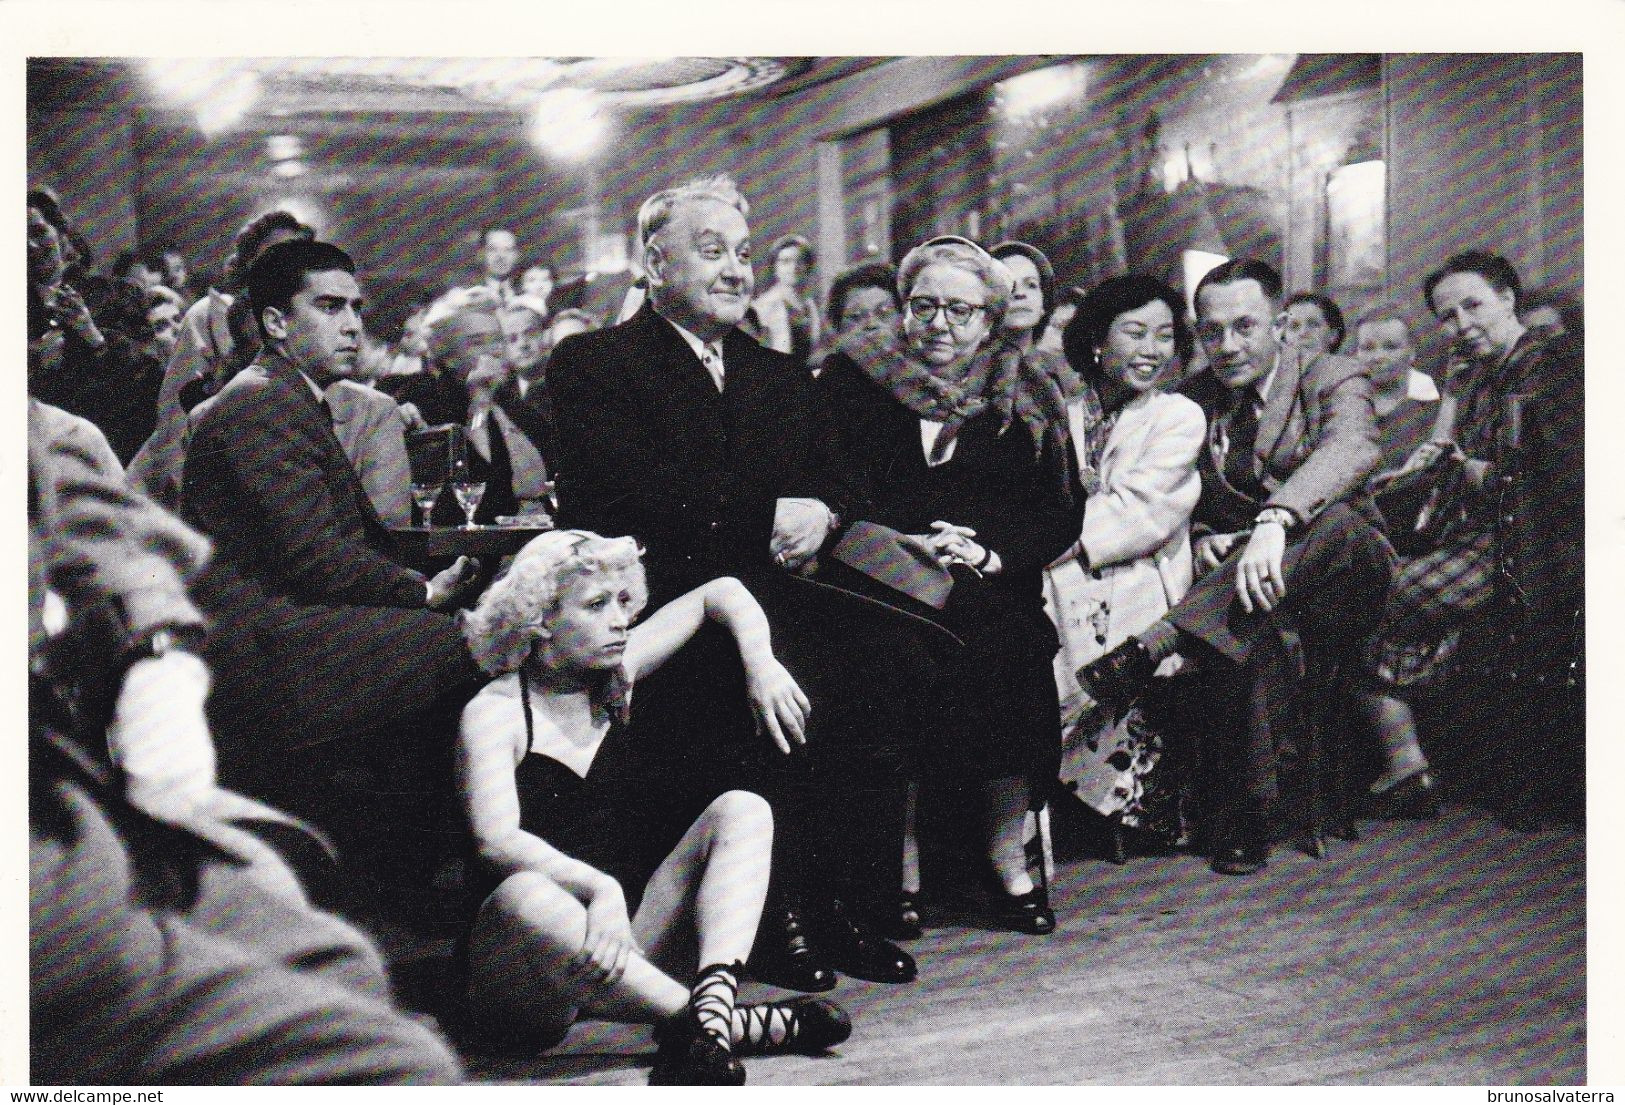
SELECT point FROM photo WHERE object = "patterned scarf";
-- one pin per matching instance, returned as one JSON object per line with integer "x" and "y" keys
{"x": 1097, "y": 431}
{"x": 997, "y": 376}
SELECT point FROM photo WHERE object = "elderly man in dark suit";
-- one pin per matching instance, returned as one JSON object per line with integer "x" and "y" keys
{"x": 326, "y": 649}
{"x": 1290, "y": 437}
{"x": 678, "y": 428}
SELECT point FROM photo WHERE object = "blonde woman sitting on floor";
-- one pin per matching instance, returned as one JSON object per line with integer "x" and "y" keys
{"x": 604, "y": 892}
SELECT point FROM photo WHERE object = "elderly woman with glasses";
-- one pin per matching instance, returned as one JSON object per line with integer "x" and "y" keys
{"x": 598, "y": 898}
{"x": 956, "y": 440}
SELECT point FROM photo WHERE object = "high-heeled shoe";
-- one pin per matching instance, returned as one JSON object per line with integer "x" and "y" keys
{"x": 1030, "y": 912}
{"x": 1416, "y": 796}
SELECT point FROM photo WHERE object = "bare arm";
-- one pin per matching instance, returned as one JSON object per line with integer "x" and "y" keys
{"x": 485, "y": 778}
{"x": 778, "y": 703}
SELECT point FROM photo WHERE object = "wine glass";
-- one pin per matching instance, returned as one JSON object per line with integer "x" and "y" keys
{"x": 469, "y": 494}
{"x": 424, "y": 497}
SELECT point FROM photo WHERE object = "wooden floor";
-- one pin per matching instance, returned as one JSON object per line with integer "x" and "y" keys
{"x": 1450, "y": 952}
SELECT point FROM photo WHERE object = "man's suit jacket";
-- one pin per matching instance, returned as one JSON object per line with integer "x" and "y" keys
{"x": 1317, "y": 441}
{"x": 266, "y": 478}
{"x": 369, "y": 428}
{"x": 317, "y": 634}
{"x": 649, "y": 447}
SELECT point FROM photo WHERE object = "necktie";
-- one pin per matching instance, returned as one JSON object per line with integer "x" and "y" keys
{"x": 712, "y": 360}
{"x": 1243, "y": 429}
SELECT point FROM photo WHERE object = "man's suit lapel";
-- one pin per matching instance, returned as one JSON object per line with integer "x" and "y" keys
{"x": 1276, "y": 418}
{"x": 676, "y": 370}
{"x": 337, "y": 461}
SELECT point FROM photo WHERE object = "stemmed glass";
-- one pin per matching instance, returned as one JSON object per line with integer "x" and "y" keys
{"x": 424, "y": 497}
{"x": 469, "y": 493}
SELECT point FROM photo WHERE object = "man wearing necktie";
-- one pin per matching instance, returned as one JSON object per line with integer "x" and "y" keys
{"x": 1290, "y": 437}
{"x": 328, "y": 653}
{"x": 678, "y": 428}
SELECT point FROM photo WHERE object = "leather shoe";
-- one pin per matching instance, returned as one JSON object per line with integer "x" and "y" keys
{"x": 1117, "y": 679}
{"x": 1415, "y": 796}
{"x": 1242, "y": 855}
{"x": 784, "y": 956}
{"x": 689, "y": 1057}
{"x": 1029, "y": 913}
{"x": 857, "y": 951}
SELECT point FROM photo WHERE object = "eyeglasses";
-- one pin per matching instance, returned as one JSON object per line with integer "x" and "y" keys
{"x": 884, "y": 312}
{"x": 925, "y": 310}
{"x": 1212, "y": 333}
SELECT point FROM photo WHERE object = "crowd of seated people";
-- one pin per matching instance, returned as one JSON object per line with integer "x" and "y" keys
{"x": 956, "y": 538}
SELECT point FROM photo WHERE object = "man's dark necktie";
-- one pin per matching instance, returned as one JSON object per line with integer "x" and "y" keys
{"x": 1243, "y": 430}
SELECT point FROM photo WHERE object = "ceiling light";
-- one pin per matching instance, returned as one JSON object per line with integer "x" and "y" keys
{"x": 1031, "y": 93}
{"x": 568, "y": 122}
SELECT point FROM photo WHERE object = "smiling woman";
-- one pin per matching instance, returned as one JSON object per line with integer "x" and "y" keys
{"x": 1136, "y": 447}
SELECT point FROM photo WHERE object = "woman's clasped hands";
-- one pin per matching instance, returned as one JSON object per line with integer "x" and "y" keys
{"x": 952, "y": 544}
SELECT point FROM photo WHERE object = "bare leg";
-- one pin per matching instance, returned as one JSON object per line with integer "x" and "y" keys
{"x": 1007, "y": 802}
{"x": 712, "y": 885}
{"x": 525, "y": 969}
{"x": 1395, "y": 726}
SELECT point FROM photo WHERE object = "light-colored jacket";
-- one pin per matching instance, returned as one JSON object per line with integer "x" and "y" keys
{"x": 1317, "y": 440}
{"x": 1132, "y": 560}
{"x": 201, "y": 350}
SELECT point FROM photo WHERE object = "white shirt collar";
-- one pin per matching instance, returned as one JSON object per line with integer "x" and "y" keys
{"x": 315, "y": 389}
{"x": 1263, "y": 384}
{"x": 709, "y": 353}
{"x": 1421, "y": 386}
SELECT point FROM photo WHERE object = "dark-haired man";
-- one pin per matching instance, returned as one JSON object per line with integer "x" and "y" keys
{"x": 499, "y": 255}
{"x": 321, "y": 639}
{"x": 202, "y": 358}
{"x": 1291, "y": 435}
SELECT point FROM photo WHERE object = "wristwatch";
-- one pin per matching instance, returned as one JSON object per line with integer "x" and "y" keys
{"x": 1280, "y": 515}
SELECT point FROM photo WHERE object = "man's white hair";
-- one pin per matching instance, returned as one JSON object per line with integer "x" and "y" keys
{"x": 442, "y": 321}
{"x": 657, "y": 210}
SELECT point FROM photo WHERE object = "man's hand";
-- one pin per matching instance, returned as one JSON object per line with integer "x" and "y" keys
{"x": 411, "y": 417}
{"x": 67, "y": 306}
{"x": 160, "y": 737}
{"x": 608, "y": 945}
{"x": 1211, "y": 550}
{"x": 780, "y": 706}
{"x": 1260, "y": 583}
{"x": 799, "y": 529}
{"x": 447, "y": 589}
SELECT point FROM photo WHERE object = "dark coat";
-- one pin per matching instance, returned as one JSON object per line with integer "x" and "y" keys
{"x": 1000, "y": 715}
{"x": 317, "y": 633}
{"x": 648, "y": 446}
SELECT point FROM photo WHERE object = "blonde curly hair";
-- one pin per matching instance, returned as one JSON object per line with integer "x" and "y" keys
{"x": 511, "y": 616}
